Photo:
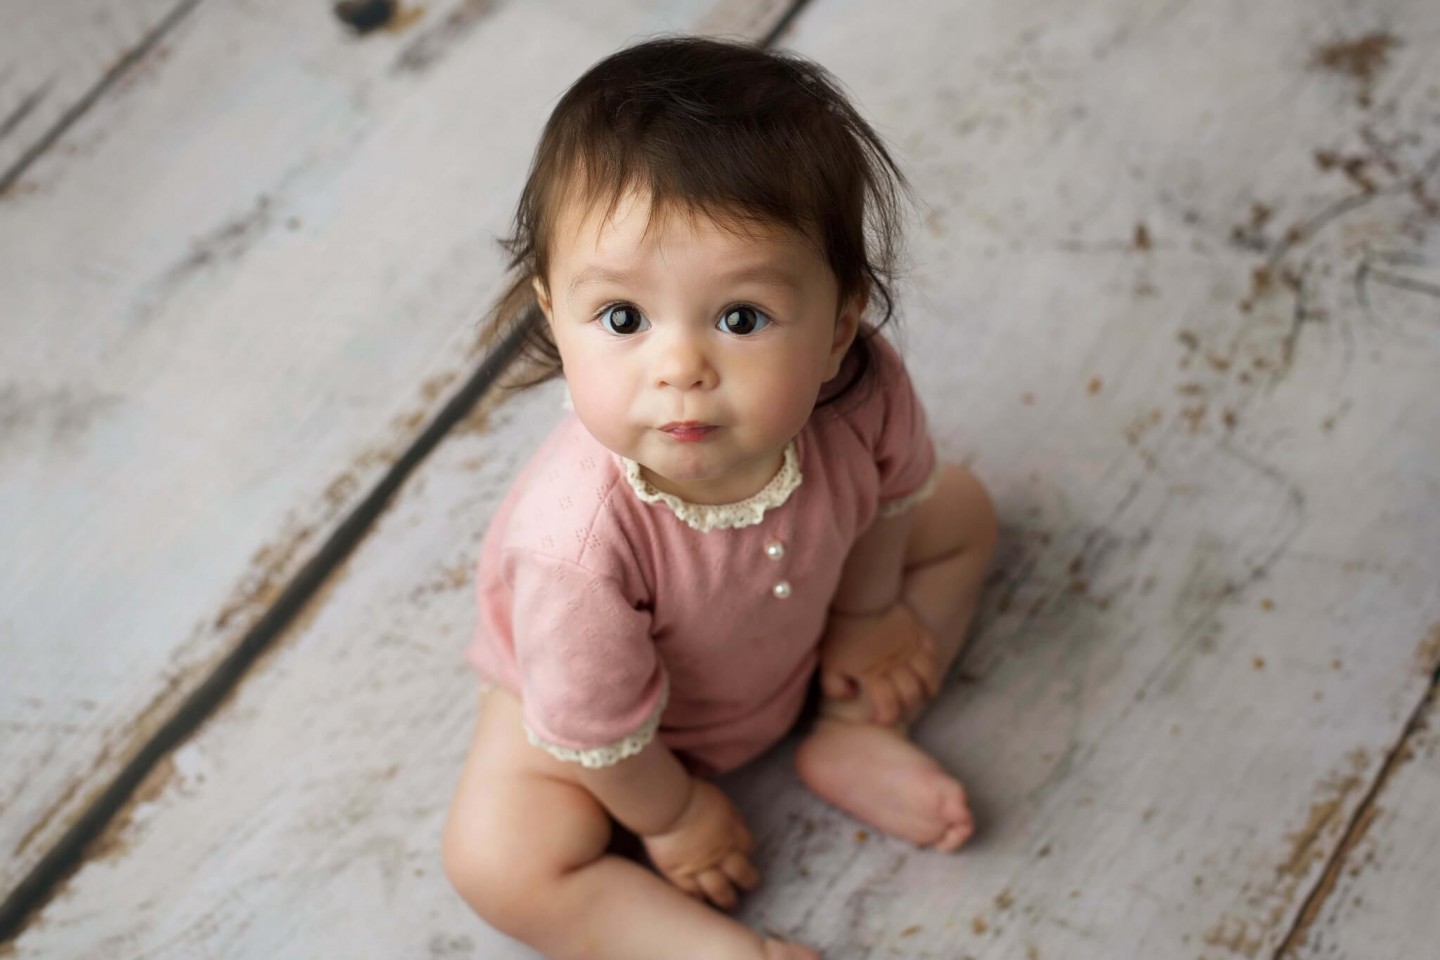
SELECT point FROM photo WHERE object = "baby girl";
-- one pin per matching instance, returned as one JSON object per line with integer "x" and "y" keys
{"x": 744, "y": 507}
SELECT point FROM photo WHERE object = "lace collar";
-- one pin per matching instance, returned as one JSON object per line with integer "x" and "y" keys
{"x": 705, "y": 517}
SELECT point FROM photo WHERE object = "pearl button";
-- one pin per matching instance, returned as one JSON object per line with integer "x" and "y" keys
{"x": 782, "y": 590}
{"x": 774, "y": 549}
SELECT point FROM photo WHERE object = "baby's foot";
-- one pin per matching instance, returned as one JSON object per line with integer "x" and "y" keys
{"x": 780, "y": 950}
{"x": 875, "y": 774}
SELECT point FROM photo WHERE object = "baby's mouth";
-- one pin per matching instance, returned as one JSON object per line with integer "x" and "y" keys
{"x": 688, "y": 431}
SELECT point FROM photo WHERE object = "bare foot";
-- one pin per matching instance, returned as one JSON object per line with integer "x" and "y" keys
{"x": 875, "y": 774}
{"x": 780, "y": 950}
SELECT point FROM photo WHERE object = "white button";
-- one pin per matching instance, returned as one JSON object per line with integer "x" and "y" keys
{"x": 782, "y": 590}
{"x": 774, "y": 549}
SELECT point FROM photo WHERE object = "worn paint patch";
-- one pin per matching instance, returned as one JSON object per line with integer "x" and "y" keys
{"x": 55, "y": 419}
{"x": 432, "y": 44}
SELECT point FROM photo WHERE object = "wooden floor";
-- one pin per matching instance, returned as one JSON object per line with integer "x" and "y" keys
{"x": 1174, "y": 296}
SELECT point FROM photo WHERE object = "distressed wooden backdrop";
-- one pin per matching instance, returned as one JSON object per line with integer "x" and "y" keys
{"x": 1174, "y": 294}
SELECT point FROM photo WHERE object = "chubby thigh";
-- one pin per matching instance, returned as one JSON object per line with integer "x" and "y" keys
{"x": 519, "y": 818}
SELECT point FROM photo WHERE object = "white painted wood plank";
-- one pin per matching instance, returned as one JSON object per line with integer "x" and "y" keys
{"x": 54, "y": 54}
{"x": 224, "y": 313}
{"x": 1206, "y": 630}
{"x": 1381, "y": 902}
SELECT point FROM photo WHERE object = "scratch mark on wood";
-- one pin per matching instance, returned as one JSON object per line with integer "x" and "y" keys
{"x": 23, "y": 109}
{"x": 229, "y": 241}
{"x": 114, "y": 75}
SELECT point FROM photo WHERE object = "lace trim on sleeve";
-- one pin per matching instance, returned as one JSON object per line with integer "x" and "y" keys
{"x": 893, "y": 508}
{"x": 611, "y": 754}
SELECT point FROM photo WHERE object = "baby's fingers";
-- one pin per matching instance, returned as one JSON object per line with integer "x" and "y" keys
{"x": 908, "y": 685}
{"x": 741, "y": 871}
{"x": 884, "y": 708}
{"x": 717, "y": 888}
{"x": 836, "y": 686}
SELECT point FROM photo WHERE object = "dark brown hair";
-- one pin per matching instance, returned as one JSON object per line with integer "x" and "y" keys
{"x": 737, "y": 132}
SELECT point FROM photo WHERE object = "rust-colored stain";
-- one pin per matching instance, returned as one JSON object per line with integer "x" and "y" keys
{"x": 1353, "y": 167}
{"x": 63, "y": 802}
{"x": 1142, "y": 237}
{"x": 405, "y": 18}
{"x": 1141, "y": 424}
{"x": 1093, "y": 387}
{"x": 979, "y": 926}
{"x": 1251, "y": 233}
{"x": 1004, "y": 900}
{"x": 1306, "y": 921}
{"x": 117, "y": 837}
{"x": 1259, "y": 663}
{"x": 1360, "y": 59}
{"x": 1304, "y": 843}
{"x": 910, "y": 931}
{"x": 1266, "y": 603}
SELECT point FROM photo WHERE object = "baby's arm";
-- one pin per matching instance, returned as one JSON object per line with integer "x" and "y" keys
{"x": 874, "y": 644}
{"x": 691, "y": 830}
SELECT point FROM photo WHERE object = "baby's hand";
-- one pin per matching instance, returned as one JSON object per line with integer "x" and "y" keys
{"x": 889, "y": 657}
{"x": 707, "y": 852}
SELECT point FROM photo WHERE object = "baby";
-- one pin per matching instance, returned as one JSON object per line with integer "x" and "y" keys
{"x": 744, "y": 507}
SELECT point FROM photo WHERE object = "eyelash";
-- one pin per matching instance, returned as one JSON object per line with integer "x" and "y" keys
{"x": 599, "y": 315}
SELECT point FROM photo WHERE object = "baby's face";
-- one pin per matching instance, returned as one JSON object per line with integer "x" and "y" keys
{"x": 694, "y": 350}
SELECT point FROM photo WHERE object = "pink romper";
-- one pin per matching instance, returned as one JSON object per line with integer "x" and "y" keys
{"x": 616, "y": 612}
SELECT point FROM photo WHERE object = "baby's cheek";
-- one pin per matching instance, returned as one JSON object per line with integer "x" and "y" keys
{"x": 600, "y": 408}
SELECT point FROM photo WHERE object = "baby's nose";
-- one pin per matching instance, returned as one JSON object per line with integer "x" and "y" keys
{"x": 683, "y": 363}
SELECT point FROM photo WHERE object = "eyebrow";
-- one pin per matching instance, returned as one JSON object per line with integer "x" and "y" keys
{"x": 759, "y": 273}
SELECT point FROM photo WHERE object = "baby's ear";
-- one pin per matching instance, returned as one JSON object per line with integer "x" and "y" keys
{"x": 847, "y": 325}
{"x": 542, "y": 297}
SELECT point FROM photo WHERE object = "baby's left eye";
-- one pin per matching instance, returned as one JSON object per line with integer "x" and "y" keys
{"x": 742, "y": 320}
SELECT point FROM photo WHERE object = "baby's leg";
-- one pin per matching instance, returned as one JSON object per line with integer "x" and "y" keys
{"x": 874, "y": 772}
{"x": 525, "y": 845}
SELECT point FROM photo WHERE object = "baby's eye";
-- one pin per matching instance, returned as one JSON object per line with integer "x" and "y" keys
{"x": 742, "y": 320}
{"x": 623, "y": 319}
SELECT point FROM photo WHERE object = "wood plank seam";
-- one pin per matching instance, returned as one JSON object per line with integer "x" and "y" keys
{"x": 68, "y": 854}
{"x": 78, "y": 109}
{"x": 1355, "y": 830}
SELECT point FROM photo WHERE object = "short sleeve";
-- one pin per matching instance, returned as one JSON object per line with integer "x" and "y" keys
{"x": 904, "y": 451}
{"x": 592, "y": 683}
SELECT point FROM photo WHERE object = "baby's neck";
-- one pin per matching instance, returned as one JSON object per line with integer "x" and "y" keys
{"x": 735, "y": 486}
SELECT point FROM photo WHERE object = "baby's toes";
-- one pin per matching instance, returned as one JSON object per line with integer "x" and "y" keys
{"x": 957, "y": 824}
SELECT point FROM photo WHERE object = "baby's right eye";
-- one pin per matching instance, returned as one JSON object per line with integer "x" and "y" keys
{"x": 622, "y": 319}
